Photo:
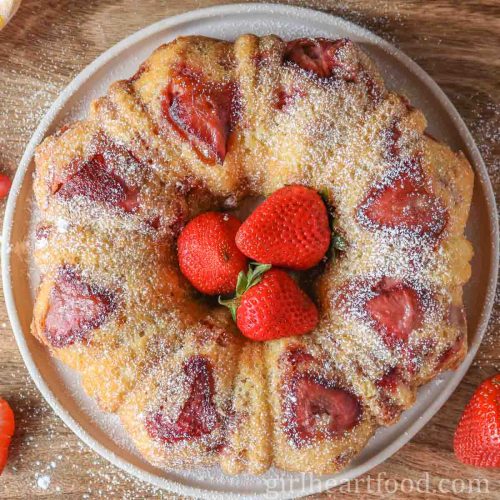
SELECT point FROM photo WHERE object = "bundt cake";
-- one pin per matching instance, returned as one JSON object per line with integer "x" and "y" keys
{"x": 206, "y": 125}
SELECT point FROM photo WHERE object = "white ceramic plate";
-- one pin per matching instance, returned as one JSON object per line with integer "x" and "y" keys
{"x": 60, "y": 387}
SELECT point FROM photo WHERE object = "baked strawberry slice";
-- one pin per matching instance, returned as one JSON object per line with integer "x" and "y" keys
{"x": 395, "y": 309}
{"x": 404, "y": 204}
{"x": 477, "y": 437}
{"x": 75, "y": 309}
{"x": 92, "y": 180}
{"x": 320, "y": 56}
{"x": 315, "y": 408}
{"x": 201, "y": 113}
{"x": 7, "y": 427}
{"x": 198, "y": 415}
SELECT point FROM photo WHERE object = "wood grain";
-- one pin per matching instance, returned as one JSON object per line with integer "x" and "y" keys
{"x": 48, "y": 43}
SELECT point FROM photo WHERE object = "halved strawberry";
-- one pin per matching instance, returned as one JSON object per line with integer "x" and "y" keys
{"x": 201, "y": 112}
{"x": 320, "y": 56}
{"x": 477, "y": 437}
{"x": 93, "y": 180}
{"x": 395, "y": 309}
{"x": 198, "y": 416}
{"x": 75, "y": 309}
{"x": 403, "y": 203}
{"x": 7, "y": 427}
{"x": 315, "y": 409}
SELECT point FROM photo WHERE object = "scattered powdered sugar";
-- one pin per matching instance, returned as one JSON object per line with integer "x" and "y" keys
{"x": 104, "y": 480}
{"x": 43, "y": 482}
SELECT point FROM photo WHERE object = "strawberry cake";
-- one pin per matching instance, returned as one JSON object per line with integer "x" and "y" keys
{"x": 202, "y": 127}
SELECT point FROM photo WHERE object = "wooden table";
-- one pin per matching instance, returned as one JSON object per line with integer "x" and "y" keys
{"x": 49, "y": 42}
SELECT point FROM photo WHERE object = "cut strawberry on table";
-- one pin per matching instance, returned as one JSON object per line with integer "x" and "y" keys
{"x": 477, "y": 437}
{"x": 290, "y": 229}
{"x": 7, "y": 427}
{"x": 208, "y": 255}
{"x": 270, "y": 305}
{"x": 5, "y": 185}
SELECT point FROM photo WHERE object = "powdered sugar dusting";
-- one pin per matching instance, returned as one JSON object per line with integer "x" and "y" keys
{"x": 210, "y": 473}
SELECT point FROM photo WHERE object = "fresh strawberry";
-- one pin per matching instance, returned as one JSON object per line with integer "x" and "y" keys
{"x": 290, "y": 229}
{"x": 270, "y": 305}
{"x": 315, "y": 408}
{"x": 5, "y": 185}
{"x": 477, "y": 437}
{"x": 75, "y": 309}
{"x": 198, "y": 415}
{"x": 320, "y": 56}
{"x": 395, "y": 309}
{"x": 200, "y": 112}
{"x": 7, "y": 427}
{"x": 91, "y": 179}
{"x": 208, "y": 255}
{"x": 403, "y": 203}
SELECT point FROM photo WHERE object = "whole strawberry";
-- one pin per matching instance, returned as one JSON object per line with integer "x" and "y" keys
{"x": 477, "y": 437}
{"x": 290, "y": 229}
{"x": 7, "y": 427}
{"x": 270, "y": 305}
{"x": 208, "y": 255}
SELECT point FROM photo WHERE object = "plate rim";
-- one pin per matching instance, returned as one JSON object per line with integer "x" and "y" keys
{"x": 96, "y": 65}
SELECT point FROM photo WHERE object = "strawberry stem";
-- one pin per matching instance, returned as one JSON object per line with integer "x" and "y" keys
{"x": 245, "y": 282}
{"x": 231, "y": 304}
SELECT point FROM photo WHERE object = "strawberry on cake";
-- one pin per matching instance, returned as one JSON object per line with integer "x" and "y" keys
{"x": 286, "y": 338}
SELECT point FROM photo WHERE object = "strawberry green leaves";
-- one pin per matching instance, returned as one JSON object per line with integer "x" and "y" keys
{"x": 245, "y": 282}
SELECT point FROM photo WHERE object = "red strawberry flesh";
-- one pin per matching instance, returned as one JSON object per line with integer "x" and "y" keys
{"x": 198, "y": 415}
{"x": 75, "y": 309}
{"x": 403, "y": 203}
{"x": 316, "y": 409}
{"x": 395, "y": 309}
{"x": 319, "y": 56}
{"x": 390, "y": 380}
{"x": 92, "y": 180}
{"x": 7, "y": 427}
{"x": 201, "y": 112}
